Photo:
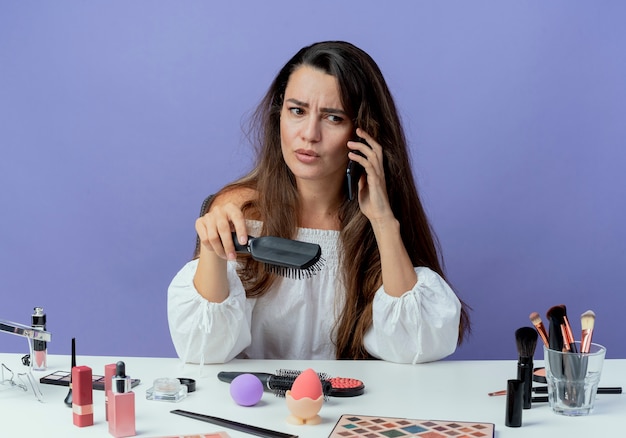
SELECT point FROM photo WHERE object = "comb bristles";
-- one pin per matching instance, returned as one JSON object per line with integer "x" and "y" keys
{"x": 295, "y": 273}
{"x": 283, "y": 381}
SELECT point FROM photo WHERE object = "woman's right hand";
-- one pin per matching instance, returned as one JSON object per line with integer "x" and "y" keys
{"x": 224, "y": 216}
{"x": 215, "y": 228}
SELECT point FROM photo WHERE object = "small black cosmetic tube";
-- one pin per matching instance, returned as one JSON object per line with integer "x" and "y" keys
{"x": 525, "y": 374}
{"x": 514, "y": 402}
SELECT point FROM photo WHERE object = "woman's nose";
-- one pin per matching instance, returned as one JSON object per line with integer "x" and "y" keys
{"x": 311, "y": 130}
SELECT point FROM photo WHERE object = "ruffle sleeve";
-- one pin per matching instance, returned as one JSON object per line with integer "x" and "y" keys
{"x": 206, "y": 332}
{"x": 422, "y": 325}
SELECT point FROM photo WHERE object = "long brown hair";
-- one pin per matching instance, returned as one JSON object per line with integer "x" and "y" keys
{"x": 368, "y": 101}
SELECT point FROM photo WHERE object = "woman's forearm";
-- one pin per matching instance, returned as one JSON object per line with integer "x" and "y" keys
{"x": 397, "y": 269}
{"x": 211, "y": 280}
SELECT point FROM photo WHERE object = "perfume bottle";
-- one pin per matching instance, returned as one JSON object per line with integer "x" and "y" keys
{"x": 121, "y": 404}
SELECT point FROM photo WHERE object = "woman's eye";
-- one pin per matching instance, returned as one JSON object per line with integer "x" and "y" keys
{"x": 334, "y": 118}
{"x": 296, "y": 111}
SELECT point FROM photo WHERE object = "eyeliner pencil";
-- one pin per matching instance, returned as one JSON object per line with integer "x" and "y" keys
{"x": 241, "y": 427}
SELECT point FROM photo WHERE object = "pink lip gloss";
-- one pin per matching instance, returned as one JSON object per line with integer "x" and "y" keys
{"x": 40, "y": 348}
{"x": 121, "y": 411}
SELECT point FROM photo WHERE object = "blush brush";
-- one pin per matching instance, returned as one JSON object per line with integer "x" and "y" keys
{"x": 526, "y": 341}
{"x": 285, "y": 257}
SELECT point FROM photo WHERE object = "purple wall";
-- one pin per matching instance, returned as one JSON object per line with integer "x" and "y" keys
{"x": 117, "y": 118}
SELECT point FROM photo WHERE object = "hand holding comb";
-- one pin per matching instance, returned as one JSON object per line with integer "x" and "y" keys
{"x": 284, "y": 257}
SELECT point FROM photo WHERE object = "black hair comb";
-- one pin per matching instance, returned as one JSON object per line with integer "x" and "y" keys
{"x": 285, "y": 257}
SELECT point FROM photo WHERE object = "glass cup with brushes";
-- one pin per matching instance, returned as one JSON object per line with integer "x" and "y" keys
{"x": 573, "y": 368}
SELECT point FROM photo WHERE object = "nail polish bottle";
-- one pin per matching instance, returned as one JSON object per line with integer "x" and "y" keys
{"x": 121, "y": 411}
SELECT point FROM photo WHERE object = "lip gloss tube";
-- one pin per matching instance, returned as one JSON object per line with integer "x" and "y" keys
{"x": 40, "y": 348}
{"x": 121, "y": 404}
{"x": 82, "y": 396}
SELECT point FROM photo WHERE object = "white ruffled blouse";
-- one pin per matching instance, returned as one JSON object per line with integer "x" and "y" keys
{"x": 295, "y": 320}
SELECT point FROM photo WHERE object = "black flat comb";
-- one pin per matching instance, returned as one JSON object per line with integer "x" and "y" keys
{"x": 284, "y": 257}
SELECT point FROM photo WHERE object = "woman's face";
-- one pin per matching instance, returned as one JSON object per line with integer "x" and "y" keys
{"x": 314, "y": 127}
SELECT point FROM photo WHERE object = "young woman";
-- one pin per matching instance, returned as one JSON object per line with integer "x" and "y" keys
{"x": 381, "y": 292}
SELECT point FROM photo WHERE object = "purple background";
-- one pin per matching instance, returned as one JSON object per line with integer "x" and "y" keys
{"x": 118, "y": 118}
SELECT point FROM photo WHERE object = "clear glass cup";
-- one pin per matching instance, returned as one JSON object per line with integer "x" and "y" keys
{"x": 573, "y": 379}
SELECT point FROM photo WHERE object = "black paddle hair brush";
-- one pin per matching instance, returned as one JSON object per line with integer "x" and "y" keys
{"x": 285, "y": 257}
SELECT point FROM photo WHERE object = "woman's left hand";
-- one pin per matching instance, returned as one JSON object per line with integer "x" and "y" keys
{"x": 373, "y": 199}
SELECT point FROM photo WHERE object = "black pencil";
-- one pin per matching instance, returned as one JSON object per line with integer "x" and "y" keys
{"x": 241, "y": 427}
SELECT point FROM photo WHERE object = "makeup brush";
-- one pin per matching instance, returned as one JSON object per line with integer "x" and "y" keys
{"x": 568, "y": 335}
{"x": 541, "y": 329}
{"x": 68, "y": 397}
{"x": 587, "y": 321}
{"x": 526, "y": 340}
{"x": 555, "y": 332}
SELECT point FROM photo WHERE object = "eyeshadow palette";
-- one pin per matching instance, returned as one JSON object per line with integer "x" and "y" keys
{"x": 62, "y": 378}
{"x": 386, "y": 427}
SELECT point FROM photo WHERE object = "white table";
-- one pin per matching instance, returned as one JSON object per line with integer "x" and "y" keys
{"x": 445, "y": 390}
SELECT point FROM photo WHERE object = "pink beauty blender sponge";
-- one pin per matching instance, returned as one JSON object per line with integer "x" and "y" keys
{"x": 246, "y": 389}
{"x": 305, "y": 399}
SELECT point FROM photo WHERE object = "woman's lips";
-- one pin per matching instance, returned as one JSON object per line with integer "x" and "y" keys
{"x": 306, "y": 156}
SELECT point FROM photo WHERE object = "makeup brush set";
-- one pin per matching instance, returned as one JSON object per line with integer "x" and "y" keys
{"x": 572, "y": 366}
{"x": 559, "y": 336}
